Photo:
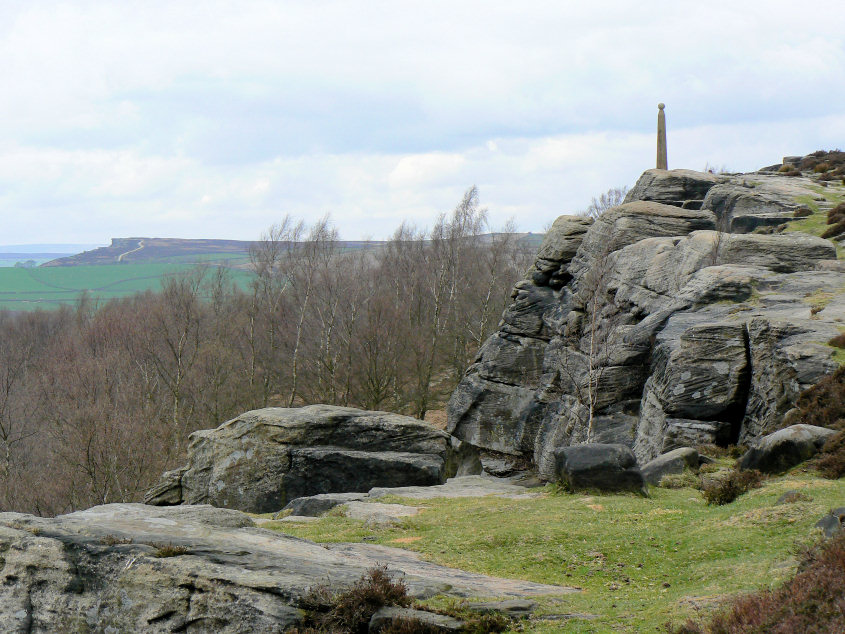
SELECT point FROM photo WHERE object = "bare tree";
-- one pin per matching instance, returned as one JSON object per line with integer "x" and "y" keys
{"x": 97, "y": 401}
{"x": 592, "y": 331}
{"x": 172, "y": 346}
{"x": 613, "y": 197}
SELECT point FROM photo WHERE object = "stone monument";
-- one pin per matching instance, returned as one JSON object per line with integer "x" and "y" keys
{"x": 662, "y": 163}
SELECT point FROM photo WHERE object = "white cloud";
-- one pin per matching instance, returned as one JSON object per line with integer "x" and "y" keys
{"x": 213, "y": 119}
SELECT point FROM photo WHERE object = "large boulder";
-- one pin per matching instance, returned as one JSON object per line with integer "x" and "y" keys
{"x": 785, "y": 448}
{"x": 672, "y": 462}
{"x": 742, "y": 208}
{"x": 599, "y": 467}
{"x": 673, "y": 187}
{"x": 137, "y": 568}
{"x": 634, "y": 221}
{"x": 264, "y": 458}
{"x": 833, "y": 523}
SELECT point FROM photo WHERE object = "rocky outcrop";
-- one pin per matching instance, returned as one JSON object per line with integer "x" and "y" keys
{"x": 785, "y": 448}
{"x": 262, "y": 459}
{"x": 670, "y": 325}
{"x": 136, "y": 568}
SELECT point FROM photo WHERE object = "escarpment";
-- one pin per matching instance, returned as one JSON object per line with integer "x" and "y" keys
{"x": 684, "y": 316}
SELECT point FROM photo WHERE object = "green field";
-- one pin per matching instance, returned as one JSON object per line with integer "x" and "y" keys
{"x": 49, "y": 287}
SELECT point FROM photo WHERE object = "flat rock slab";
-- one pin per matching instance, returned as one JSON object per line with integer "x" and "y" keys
{"x": 458, "y": 582}
{"x": 315, "y": 505}
{"x": 460, "y": 487}
{"x": 289, "y": 519}
{"x": 389, "y": 617}
{"x": 98, "y": 570}
{"x": 457, "y": 487}
{"x": 512, "y": 607}
{"x": 378, "y": 513}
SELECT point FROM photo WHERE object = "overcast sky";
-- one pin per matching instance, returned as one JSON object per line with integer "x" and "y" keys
{"x": 214, "y": 119}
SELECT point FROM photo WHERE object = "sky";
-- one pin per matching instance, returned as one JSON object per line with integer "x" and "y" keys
{"x": 216, "y": 119}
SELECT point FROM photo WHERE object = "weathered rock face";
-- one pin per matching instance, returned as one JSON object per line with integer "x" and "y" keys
{"x": 96, "y": 571}
{"x": 262, "y": 459}
{"x": 661, "y": 329}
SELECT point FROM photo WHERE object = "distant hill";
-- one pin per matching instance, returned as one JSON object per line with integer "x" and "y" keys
{"x": 235, "y": 252}
{"x": 124, "y": 250}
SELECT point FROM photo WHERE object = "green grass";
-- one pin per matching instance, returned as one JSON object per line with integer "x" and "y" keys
{"x": 50, "y": 287}
{"x": 639, "y": 562}
{"x": 816, "y": 224}
{"x": 838, "y": 354}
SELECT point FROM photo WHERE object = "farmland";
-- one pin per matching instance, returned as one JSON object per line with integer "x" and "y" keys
{"x": 24, "y": 289}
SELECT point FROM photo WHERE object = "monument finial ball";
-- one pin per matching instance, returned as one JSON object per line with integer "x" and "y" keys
{"x": 661, "y": 105}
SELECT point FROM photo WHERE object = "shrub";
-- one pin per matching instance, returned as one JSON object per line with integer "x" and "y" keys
{"x": 351, "y": 610}
{"x": 812, "y": 601}
{"x": 786, "y": 167}
{"x": 838, "y": 341}
{"x": 724, "y": 490}
{"x": 835, "y": 230}
{"x": 836, "y": 214}
{"x": 824, "y": 403}
{"x": 168, "y": 550}
{"x": 113, "y": 540}
{"x": 802, "y": 212}
{"x": 820, "y": 168}
{"x": 809, "y": 162}
{"x": 831, "y": 460}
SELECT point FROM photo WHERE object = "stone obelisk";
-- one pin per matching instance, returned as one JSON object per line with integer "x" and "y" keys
{"x": 662, "y": 162}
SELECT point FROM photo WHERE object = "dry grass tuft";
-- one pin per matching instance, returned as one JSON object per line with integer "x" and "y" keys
{"x": 168, "y": 550}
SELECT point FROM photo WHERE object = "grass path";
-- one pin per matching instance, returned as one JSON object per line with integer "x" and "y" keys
{"x": 639, "y": 562}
